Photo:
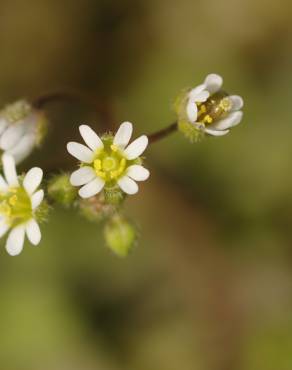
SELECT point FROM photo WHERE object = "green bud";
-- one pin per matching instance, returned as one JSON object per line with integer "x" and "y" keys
{"x": 95, "y": 209}
{"x": 120, "y": 235}
{"x": 61, "y": 190}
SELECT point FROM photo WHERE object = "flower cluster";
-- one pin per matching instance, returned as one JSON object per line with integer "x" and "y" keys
{"x": 108, "y": 170}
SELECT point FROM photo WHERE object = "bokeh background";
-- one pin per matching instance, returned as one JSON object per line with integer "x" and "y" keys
{"x": 210, "y": 285}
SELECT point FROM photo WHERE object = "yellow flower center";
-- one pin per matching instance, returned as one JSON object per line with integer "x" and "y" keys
{"x": 15, "y": 206}
{"x": 110, "y": 163}
{"x": 214, "y": 108}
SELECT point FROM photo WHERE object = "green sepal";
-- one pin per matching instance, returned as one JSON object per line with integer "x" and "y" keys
{"x": 120, "y": 235}
{"x": 114, "y": 195}
{"x": 190, "y": 131}
{"x": 42, "y": 212}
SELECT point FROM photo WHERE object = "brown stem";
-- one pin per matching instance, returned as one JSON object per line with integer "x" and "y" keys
{"x": 161, "y": 134}
{"x": 55, "y": 96}
{"x": 101, "y": 105}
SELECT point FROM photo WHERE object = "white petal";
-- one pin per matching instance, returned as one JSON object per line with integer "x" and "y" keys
{"x": 9, "y": 170}
{"x": 213, "y": 83}
{"x": 231, "y": 120}
{"x": 32, "y": 180}
{"x": 123, "y": 135}
{"x": 15, "y": 240}
{"x": 3, "y": 124}
{"x": 80, "y": 151}
{"x": 3, "y": 184}
{"x": 202, "y": 97}
{"x": 215, "y": 132}
{"x": 11, "y": 136}
{"x": 138, "y": 173}
{"x": 192, "y": 111}
{"x": 92, "y": 188}
{"x": 33, "y": 232}
{"x": 3, "y": 227}
{"x": 82, "y": 176}
{"x": 23, "y": 148}
{"x": 91, "y": 139}
{"x": 196, "y": 91}
{"x": 199, "y": 94}
{"x": 136, "y": 148}
{"x": 128, "y": 185}
{"x": 236, "y": 101}
{"x": 37, "y": 198}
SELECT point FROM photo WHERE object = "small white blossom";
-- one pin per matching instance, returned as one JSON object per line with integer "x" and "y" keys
{"x": 19, "y": 201}
{"x": 212, "y": 110}
{"x": 108, "y": 161}
{"x": 21, "y": 129}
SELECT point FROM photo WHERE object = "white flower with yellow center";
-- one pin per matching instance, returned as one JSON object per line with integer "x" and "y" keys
{"x": 21, "y": 129}
{"x": 212, "y": 110}
{"x": 108, "y": 161}
{"x": 19, "y": 201}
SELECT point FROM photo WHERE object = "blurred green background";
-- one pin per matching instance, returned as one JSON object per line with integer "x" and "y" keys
{"x": 210, "y": 285}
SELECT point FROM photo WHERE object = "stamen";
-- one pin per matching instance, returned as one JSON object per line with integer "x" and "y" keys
{"x": 110, "y": 163}
{"x": 15, "y": 206}
{"x": 13, "y": 200}
{"x": 214, "y": 108}
{"x": 101, "y": 174}
{"x": 5, "y": 209}
{"x": 208, "y": 119}
{"x": 225, "y": 104}
{"x": 97, "y": 164}
{"x": 203, "y": 109}
{"x": 114, "y": 148}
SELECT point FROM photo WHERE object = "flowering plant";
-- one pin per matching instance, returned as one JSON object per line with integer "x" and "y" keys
{"x": 109, "y": 165}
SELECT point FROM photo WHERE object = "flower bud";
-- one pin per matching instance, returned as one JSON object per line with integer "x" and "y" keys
{"x": 22, "y": 128}
{"x": 120, "y": 235}
{"x": 96, "y": 209}
{"x": 61, "y": 190}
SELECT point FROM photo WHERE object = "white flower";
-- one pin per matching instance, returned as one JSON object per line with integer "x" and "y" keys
{"x": 21, "y": 129}
{"x": 108, "y": 161}
{"x": 211, "y": 109}
{"x": 19, "y": 201}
